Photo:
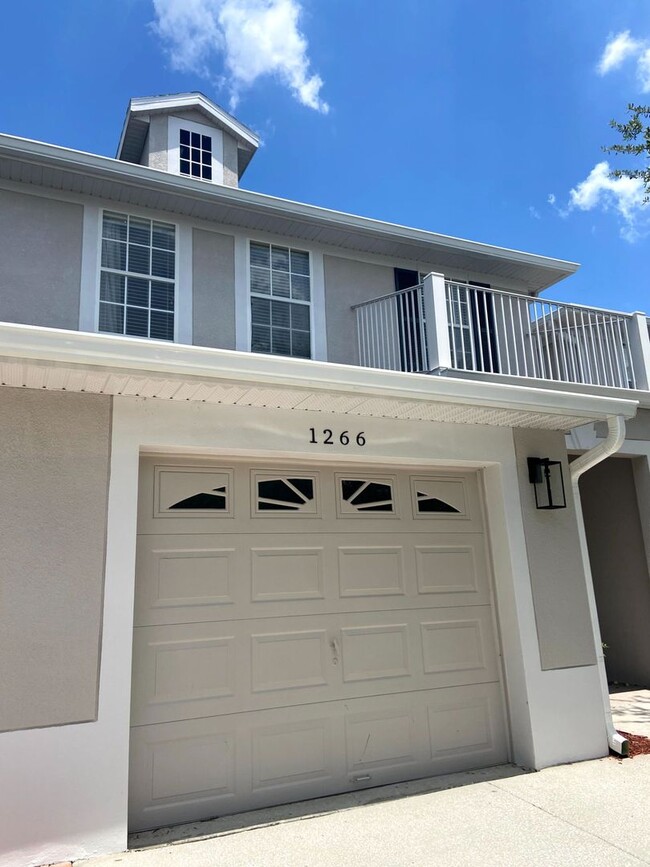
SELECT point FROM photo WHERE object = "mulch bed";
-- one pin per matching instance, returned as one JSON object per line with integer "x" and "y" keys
{"x": 639, "y": 745}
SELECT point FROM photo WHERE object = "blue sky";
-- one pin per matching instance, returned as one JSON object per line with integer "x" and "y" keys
{"x": 459, "y": 116}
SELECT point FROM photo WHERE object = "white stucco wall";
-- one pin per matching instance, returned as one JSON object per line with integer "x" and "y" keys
{"x": 64, "y": 792}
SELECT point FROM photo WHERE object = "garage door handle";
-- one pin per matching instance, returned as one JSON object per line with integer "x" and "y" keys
{"x": 334, "y": 647}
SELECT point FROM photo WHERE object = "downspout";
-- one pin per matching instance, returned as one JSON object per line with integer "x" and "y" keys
{"x": 609, "y": 446}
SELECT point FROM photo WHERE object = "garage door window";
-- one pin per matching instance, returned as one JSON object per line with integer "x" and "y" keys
{"x": 361, "y": 496}
{"x": 285, "y": 494}
{"x": 437, "y": 497}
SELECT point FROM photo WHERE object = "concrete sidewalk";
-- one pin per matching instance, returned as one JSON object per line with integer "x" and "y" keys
{"x": 594, "y": 814}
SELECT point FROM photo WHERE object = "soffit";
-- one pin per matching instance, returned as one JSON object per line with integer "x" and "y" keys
{"x": 58, "y": 360}
{"x": 129, "y": 185}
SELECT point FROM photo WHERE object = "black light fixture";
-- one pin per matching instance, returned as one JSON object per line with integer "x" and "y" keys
{"x": 546, "y": 476}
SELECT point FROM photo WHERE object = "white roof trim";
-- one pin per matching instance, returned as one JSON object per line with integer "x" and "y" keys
{"x": 34, "y": 357}
{"x": 192, "y": 100}
{"x": 23, "y": 149}
{"x": 183, "y": 101}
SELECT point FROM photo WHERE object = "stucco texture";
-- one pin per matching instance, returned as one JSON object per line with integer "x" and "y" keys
{"x": 230, "y": 172}
{"x": 213, "y": 278}
{"x": 54, "y": 466}
{"x": 555, "y": 562}
{"x": 619, "y": 566}
{"x": 156, "y": 147}
{"x": 40, "y": 251}
{"x": 346, "y": 283}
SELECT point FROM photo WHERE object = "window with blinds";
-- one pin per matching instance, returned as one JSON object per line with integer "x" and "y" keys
{"x": 280, "y": 286}
{"x": 460, "y": 331}
{"x": 137, "y": 278}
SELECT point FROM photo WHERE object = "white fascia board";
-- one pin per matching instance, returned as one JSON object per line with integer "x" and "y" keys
{"x": 118, "y": 353}
{"x": 129, "y": 173}
{"x": 186, "y": 101}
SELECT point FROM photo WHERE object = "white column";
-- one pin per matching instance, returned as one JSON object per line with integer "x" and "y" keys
{"x": 640, "y": 349}
{"x": 437, "y": 322}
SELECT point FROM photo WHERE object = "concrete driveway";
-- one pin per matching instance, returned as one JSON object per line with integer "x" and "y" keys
{"x": 631, "y": 710}
{"x": 593, "y": 814}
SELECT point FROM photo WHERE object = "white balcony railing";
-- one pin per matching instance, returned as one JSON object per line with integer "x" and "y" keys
{"x": 440, "y": 325}
{"x": 391, "y": 331}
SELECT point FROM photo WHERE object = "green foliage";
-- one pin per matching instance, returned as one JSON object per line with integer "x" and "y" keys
{"x": 636, "y": 142}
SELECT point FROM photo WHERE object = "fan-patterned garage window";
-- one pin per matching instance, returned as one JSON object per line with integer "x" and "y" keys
{"x": 214, "y": 499}
{"x": 433, "y": 504}
{"x": 366, "y": 496}
{"x": 192, "y": 492}
{"x": 284, "y": 494}
{"x": 438, "y": 497}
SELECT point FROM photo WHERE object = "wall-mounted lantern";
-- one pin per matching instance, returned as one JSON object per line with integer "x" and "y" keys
{"x": 546, "y": 476}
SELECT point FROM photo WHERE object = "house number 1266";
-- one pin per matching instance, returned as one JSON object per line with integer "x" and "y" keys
{"x": 329, "y": 438}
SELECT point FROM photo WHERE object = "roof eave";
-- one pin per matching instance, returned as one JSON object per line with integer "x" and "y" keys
{"x": 129, "y": 173}
{"x": 36, "y": 357}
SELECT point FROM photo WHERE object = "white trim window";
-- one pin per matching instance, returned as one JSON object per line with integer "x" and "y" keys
{"x": 280, "y": 289}
{"x": 195, "y": 150}
{"x": 137, "y": 282}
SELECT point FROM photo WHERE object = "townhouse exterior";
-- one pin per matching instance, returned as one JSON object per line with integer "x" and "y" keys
{"x": 269, "y": 529}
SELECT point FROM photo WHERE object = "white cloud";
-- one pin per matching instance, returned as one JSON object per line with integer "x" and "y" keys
{"x": 551, "y": 198}
{"x": 643, "y": 71}
{"x": 624, "y": 196}
{"x": 534, "y": 213}
{"x": 618, "y": 49}
{"x": 254, "y": 38}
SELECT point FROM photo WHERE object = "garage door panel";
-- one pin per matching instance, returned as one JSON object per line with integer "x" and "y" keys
{"x": 220, "y": 765}
{"x": 188, "y": 671}
{"x": 289, "y": 660}
{"x": 467, "y": 727}
{"x": 381, "y": 739}
{"x": 371, "y": 570}
{"x": 289, "y": 753}
{"x": 184, "y": 770}
{"x": 306, "y": 631}
{"x": 287, "y": 574}
{"x": 189, "y": 579}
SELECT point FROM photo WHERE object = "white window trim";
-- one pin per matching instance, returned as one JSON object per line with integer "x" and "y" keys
{"x": 243, "y": 316}
{"x": 91, "y": 261}
{"x": 174, "y": 126}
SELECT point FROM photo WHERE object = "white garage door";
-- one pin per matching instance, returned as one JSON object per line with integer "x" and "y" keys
{"x": 300, "y": 632}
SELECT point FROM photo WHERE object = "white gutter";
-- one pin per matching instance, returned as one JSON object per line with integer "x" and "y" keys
{"x": 118, "y": 353}
{"x": 609, "y": 446}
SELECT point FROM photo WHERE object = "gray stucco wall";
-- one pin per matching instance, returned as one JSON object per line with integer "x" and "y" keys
{"x": 620, "y": 568}
{"x": 637, "y": 428}
{"x": 193, "y": 116}
{"x": 555, "y": 562}
{"x": 157, "y": 145}
{"x": 346, "y": 283}
{"x": 230, "y": 172}
{"x": 40, "y": 260}
{"x": 54, "y": 466}
{"x": 213, "y": 277}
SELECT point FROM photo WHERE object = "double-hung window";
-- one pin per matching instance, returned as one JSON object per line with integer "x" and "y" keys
{"x": 280, "y": 286}
{"x": 137, "y": 277}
